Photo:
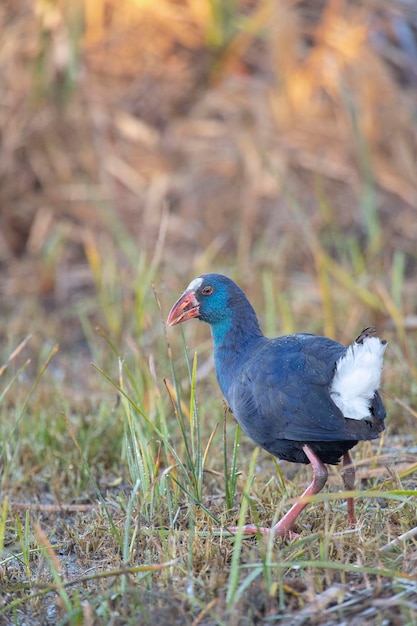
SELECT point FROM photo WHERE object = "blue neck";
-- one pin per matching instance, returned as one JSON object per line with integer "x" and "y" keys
{"x": 234, "y": 338}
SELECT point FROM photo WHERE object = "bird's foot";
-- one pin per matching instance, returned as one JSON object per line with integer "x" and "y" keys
{"x": 252, "y": 529}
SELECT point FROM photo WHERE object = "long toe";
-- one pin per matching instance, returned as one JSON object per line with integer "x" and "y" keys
{"x": 252, "y": 529}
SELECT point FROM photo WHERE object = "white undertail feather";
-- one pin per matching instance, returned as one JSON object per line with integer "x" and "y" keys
{"x": 357, "y": 377}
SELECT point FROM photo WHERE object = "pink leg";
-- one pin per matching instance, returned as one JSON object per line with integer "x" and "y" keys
{"x": 348, "y": 475}
{"x": 284, "y": 526}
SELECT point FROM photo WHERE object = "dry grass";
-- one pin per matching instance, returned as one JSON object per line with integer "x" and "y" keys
{"x": 290, "y": 96}
{"x": 149, "y": 142}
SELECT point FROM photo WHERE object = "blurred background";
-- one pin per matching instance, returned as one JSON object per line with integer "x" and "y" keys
{"x": 272, "y": 141}
{"x": 142, "y": 143}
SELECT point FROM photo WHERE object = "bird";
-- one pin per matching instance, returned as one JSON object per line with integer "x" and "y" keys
{"x": 301, "y": 397}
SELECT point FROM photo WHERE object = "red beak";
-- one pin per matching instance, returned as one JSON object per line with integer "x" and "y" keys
{"x": 186, "y": 307}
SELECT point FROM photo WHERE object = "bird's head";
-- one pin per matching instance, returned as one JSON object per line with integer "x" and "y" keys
{"x": 206, "y": 298}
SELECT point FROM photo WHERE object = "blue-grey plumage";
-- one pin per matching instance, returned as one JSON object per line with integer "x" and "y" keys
{"x": 302, "y": 397}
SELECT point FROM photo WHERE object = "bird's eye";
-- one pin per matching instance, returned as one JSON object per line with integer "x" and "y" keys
{"x": 207, "y": 290}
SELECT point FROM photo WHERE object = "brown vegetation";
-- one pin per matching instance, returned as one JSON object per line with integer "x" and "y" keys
{"x": 150, "y": 141}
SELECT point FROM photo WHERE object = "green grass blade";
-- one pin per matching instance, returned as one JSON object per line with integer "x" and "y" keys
{"x": 233, "y": 580}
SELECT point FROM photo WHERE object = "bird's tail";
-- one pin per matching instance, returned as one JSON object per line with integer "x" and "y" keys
{"x": 358, "y": 375}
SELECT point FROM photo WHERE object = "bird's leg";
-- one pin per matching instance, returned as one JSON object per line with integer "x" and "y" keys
{"x": 348, "y": 475}
{"x": 284, "y": 526}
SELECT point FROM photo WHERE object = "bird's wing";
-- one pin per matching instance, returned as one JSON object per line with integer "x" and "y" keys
{"x": 282, "y": 392}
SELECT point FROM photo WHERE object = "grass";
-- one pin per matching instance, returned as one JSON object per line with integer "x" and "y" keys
{"x": 113, "y": 499}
